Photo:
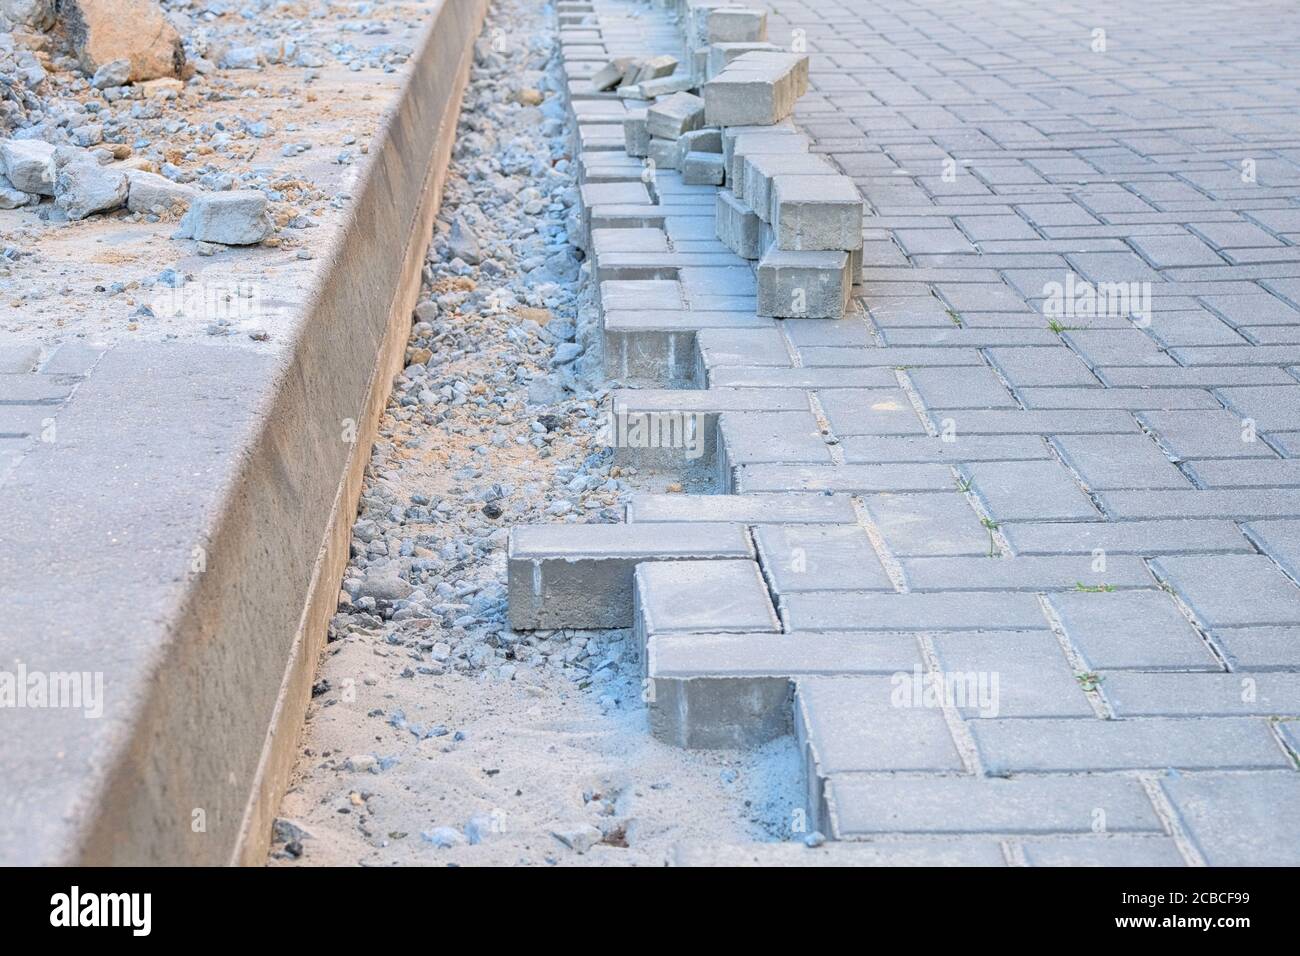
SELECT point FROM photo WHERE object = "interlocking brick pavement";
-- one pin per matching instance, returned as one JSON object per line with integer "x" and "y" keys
{"x": 1067, "y": 431}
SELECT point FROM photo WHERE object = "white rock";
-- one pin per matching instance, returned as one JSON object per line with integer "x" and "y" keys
{"x": 150, "y": 192}
{"x": 38, "y": 14}
{"x": 112, "y": 73}
{"x": 236, "y": 218}
{"x": 29, "y": 165}
{"x": 82, "y": 188}
{"x": 11, "y": 198}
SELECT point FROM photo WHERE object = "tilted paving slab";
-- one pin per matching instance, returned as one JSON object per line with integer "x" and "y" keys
{"x": 580, "y": 575}
{"x": 734, "y": 690}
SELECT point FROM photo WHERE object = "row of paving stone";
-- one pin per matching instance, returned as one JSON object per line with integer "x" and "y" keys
{"x": 1025, "y": 580}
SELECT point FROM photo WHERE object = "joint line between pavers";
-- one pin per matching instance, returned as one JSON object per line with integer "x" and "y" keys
{"x": 824, "y": 426}
{"x": 962, "y": 738}
{"x": 918, "y": 406}
{"x": 1099, "y": 705}
{"x": 1186, "y": 610}
{"x": 1168, "y": 815}
{"x": 998, "y": 539}
{"x": 796, "y": 360}
{"x": 893, "y": 567}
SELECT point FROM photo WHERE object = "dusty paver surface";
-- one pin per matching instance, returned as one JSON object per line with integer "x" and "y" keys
{"x": 1098, "y": 210}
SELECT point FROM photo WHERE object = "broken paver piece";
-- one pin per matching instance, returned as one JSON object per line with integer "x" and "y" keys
{"x": 678, "y": 114}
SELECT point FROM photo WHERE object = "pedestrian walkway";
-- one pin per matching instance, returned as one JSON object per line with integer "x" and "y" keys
{"x": 1024, "y": 525}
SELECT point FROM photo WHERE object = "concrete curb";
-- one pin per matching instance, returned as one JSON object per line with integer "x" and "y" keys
{"x": 182, "y": 449}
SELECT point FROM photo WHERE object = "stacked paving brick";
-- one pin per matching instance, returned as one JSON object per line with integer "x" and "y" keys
{"x": 948, "y": 488}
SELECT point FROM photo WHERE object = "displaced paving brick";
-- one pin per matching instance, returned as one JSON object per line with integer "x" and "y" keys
{"x": 1205, "y": 434}
{"x": 1139, "y": 630}
{"x": 812, "y": 285}
{"x": 816, "y": 213}
{"x": 672, "y": 116}
{"x": 738, "y": 227}
{"x": 581, "y": 575}
{"x": 706, "y": 596}
{"x": 1259, "y": 648}
{"x": 854, "y": 724}
{"x": 733, "y": 690}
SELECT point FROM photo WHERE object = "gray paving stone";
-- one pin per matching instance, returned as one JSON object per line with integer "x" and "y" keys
{"x": 1119, "y": 461}
{"x": 1128, "y": 537}
{"x": 1259, "y": 648}
{"x": 849, "y": 611}
{"x": 870, "y": 412}
{"x": 744, "y": 509}
{"x": 889, "y": 356}
{"x": 1028, "y": 491}
{"x": 814, "y": 379}
{"x": 1041, "y": 366}
{"x": 1149, "y": 743}
{"x": 1137, "y": 630}
{"x": 1103, "y": 852}
{"x": 1280, "y": 540}
{"x": 1205, "y": 434}
{"x": 580, "y": 575}
{"x": 1246, "y": 473}
{"x": 1270, "y": 407}
{"x": 1237, "y": 503}
{"x": 1131, "y": 399}
{"x": 1232, "y": 590}
{"x": 933, "y": 524}
{"x": 955, "y": 388}
{"x": 816, "y": 213}
{"x": 1010, "y": 675}
{"x": 1202, "y": 377}
{"x": 855, "y": 479}
{"x": 877, "y": 805}
{"x": 1050, "y": 422}
{"x": 1213, "y": 695}
{"x": 854, "y": 724}
{"x": 1038, "y": 573}
{"x": 726, "y": 596}
{"x": 1240, "y": 819}
{"x": 809, "y": 285}
{"x": 843, "y": 854}
{"x": 923, "y": 448}
{"x": 819, "y": 558}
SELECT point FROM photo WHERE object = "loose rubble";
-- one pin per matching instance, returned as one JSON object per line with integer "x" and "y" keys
{"x": 496, "y": 420}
